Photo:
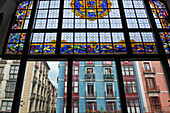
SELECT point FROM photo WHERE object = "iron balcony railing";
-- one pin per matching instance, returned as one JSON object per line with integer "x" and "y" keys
{"x": 38, "y": 98}
{"x": 110, "y": 95}
{"x": 41, "y": 70}
{"x": 154, "y": 89}
{"x": 44, "y": 73}
{"x": 150, "y": 71}
{"x": 35, "y": 80}
{"x": 90, "y": 76}
{"x": 108, "y": 76}
{"x": 37, "y": 65}
{"x": 32, "y": 96}
{"x": 91, "y": 95}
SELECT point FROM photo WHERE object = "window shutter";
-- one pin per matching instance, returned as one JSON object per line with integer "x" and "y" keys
{"x": 86, "y": 105}
{"x": 95, "y": 106}
{"x": 107, "y": 106}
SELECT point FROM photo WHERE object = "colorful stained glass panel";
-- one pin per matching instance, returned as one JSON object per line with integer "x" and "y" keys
{"x": 49, "y": 48}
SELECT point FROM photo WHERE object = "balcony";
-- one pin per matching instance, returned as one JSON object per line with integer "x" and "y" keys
{"x": 41, "y": 70}
{"x": 37, "y": 65}
{"x": 108, "y": 77}
{"x": 1, "y": 76}
{"x": 90, "y": 77}
{"x": 38, "y": 98}
{"x": 39, "y": 83}
{"x": 44, "y": 73}
{"x": 43, "y": 85}
{"x": 155, "y": 89}
{"x": 92, "y": 95}
{"x": 42, "y": 98}
{"x": 111, "y": 95}
{"x": 35, "y": 80}
{"x": 151, "y": 71}
{"x": 32, "y": 96}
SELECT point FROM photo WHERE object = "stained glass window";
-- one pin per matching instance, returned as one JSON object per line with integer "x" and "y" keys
{"x": 87, "y": 17}
{"x": 15, "y": 43}
{"x": 135, "y": 13}
{"x": 43, "y": 43}
{"x": 90, "y": 14}
{"x": 47, "y": 14}
{"x": 93, "y": 43}
{"x": 165, "y": 37}
{"x": 160, "y": 13}
{"x": 22, "y": 15}
{"x": 142, "y": 43}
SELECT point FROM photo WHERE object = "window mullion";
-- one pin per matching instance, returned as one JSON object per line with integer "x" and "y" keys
{"x": 125, "y": 28}
{"x": 60, "y": 21}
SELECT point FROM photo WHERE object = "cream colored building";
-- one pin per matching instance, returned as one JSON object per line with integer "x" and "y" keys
{"x": 38, "y": 95}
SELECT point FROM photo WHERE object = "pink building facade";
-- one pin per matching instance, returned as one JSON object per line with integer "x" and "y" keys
{"x": 154, "y": 90}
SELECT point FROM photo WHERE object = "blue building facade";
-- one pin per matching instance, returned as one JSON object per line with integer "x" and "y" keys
{"x": 95, "y": 88}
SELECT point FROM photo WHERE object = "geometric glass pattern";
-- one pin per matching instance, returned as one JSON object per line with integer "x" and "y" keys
{"x": 160, "y": 13}
{"x": 91, "y": 14}
{"x": 135, "y": 13}
{"x": 87, "y": 17}
{"x": 22, "y": 15}
{"x": 142, "y": 43}
{"x": 15, "y": 43}
{"x": 93, "y": 43}
{"x": 43, "y": 43}
{"x": 165, "y": 37}
{"x": 47, "y": 15}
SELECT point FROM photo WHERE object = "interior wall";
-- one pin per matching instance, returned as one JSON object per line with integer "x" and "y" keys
{"x": 7, "y": 7}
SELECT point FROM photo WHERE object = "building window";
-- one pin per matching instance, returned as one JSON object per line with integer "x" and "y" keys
{"x": 6, "y": 106}
{"x": 155, "y": 103}
{"x": 130, "y": 87}
{"x": 127, "y": 70}
{"x": 14, "y": 69}
{"x": 9, "y": 94}
{"x": 75, "y": 87}
{"x": 1, "y": 71}
{"x": 92, "y": 106}
{"x": 65, "y": 87}
{"x": 76, "y": 70}
{"x": 10, "y": 89}
{"x": 90, "y": 70}
{"x": 109, "y": 89}
{"x": 10, "y": 86}
{"x": 107, "y": 70}
{"x": 150, "y": 82}
{"x": 90, "y": 89}
{"x": 111, "y": 106}
{"x": 75, "y": 106}
{"x": 133, "y": 106}
{"x": 147, "y": 67}
{"x": 66, "y": 70}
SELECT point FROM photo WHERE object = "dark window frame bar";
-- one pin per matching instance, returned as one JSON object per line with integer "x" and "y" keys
{"x": 118, "y": 58}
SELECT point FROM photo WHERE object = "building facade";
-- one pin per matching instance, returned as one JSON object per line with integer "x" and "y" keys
{"x": 95, "y": 87}
{"x": 37, "y": 93}
{"x": 154, "y": 90}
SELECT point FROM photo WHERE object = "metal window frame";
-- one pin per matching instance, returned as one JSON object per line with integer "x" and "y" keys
{"x": 161, "y": 56}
